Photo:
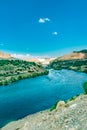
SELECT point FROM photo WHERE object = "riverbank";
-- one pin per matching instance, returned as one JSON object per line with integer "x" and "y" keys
{"x": 76, "y": 61}
{"x": 32, "y": 95}
{"x": 79, "y": 65}
{"x": 72, "y": 116}
{"x": 14, "y": 70}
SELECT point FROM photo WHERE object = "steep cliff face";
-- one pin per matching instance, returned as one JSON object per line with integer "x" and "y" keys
{"x": 4, "y": 56}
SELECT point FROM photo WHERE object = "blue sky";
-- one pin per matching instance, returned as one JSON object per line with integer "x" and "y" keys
{"x": 43, "y": 26}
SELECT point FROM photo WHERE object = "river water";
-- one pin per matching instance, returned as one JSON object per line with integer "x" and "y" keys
{"x": 36, "y": 94}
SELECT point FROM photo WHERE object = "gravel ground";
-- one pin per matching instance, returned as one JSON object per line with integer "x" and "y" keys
{"x": 71, "y": 116}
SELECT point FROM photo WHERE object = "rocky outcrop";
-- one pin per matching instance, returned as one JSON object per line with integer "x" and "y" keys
{"x": 60, "y": 104}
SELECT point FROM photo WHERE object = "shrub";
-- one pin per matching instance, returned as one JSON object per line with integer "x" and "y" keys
{"x": 54, "y": 106}
{"x": 72, "y": 98}
{"x": 85, "y": 87}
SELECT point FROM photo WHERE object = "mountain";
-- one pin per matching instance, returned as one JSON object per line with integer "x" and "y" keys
{"x": 29, "y": 58}
{"x": 74, "y": 55}
{"x": 4, "y": 56}
{"x": 82, "y": 51}
{"x": 74, "y": 61}
{"x": 37, "y": 59}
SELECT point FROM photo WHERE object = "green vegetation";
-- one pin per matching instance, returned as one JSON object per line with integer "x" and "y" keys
{"x": 66, "y": 101}
{"x": 17, "y": 128}
{"x": 85, "y": 87}
{"x": 13, "y": 70}
{"x": 54, "y": 106}
{"x": 77, "y": 65}
{"x": 82, "y": 51}
{"x": 72, "y": 98}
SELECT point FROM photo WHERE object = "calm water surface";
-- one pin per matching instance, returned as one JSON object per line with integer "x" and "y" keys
{"x": 32, "y": 95}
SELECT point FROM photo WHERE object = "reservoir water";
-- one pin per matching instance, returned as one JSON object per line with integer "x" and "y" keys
{"x": 36, "y": 94}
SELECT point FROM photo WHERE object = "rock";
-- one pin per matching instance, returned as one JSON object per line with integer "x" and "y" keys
{"x": 73, "y": 106}
{"x": 60, "y": 104}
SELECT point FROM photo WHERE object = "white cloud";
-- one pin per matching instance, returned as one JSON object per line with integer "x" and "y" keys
{"x": 21, "y": 56}
{"x": 55, "y": 33}
{"x": 47, "y": 19}
{"x": 43, "y": 20}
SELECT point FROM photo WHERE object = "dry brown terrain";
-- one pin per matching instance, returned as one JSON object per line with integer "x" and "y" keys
{"x": 72, "y": 56}
{"x": 4, "y": 56}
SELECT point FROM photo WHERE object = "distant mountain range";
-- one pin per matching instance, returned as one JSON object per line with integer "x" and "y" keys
{"x": 46, "y": 60}
{"x": 27, "y": 57}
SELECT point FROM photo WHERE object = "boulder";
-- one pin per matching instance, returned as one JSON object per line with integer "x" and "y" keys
{"x": 60, "y": 104}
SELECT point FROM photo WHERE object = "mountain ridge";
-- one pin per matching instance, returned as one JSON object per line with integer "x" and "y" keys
{"x": 76, "y": 61}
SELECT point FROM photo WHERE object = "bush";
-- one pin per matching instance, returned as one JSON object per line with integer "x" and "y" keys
{"x": 85, "y": 87}
{"x": 54, "y": 106}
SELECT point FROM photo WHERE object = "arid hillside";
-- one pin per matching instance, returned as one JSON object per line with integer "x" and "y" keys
{"x": 75, "y": 61}
{"x": 4, "y": 56}
{"x": 74, "y": 55}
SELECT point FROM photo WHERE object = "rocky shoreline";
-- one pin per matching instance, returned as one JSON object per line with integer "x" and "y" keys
{"x": 67, "y": 116}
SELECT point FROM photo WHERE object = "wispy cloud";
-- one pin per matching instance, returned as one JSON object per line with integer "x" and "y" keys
{"x": 47, "y": 19}
{"x": 43, "y": 20}
{"x": 21, "y": 56}
{"x": 55, "y": 33}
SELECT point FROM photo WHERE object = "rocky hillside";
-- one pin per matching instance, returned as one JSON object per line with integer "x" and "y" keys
{"x": 13, "y": 70}
{"x": 4, "y": 56}
{"x": 75, "y": 61}
{"x": 66, "y": 116}
{"x": 74, "y": 55}
{"x": 83, "y": 52}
